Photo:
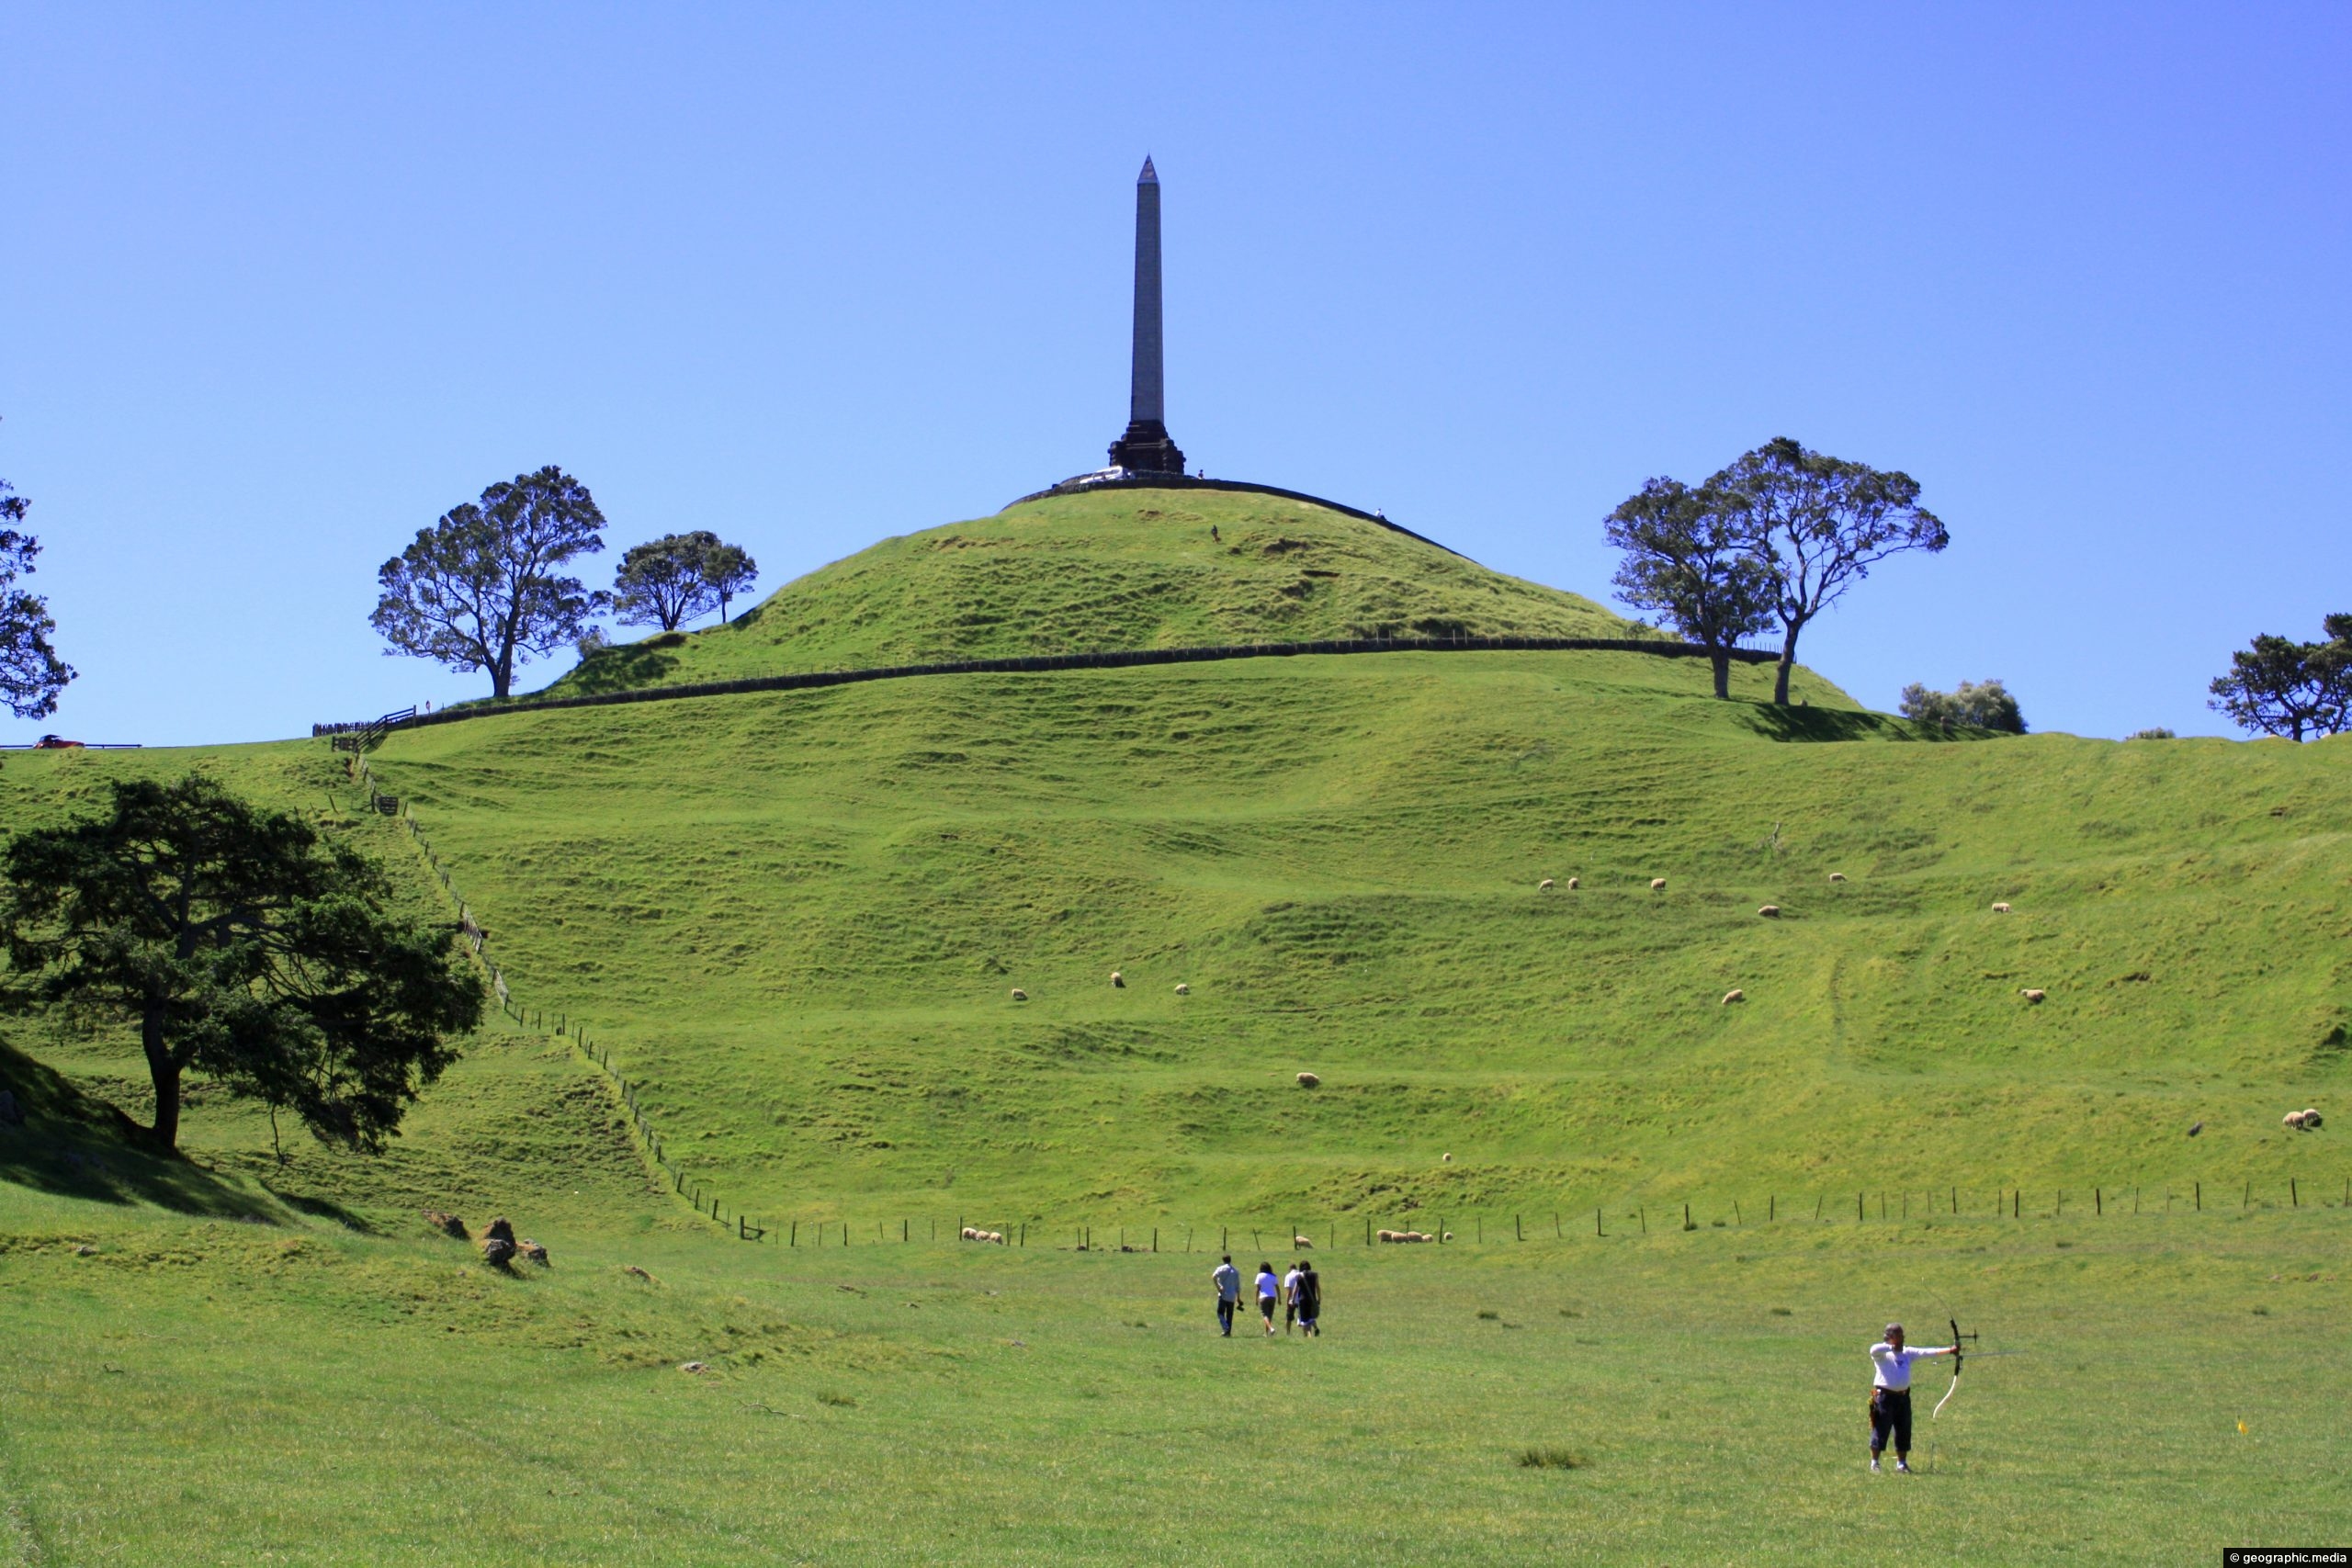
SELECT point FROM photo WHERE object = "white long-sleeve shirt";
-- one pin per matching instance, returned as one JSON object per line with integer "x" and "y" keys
{"x": 1895, "y": 1366}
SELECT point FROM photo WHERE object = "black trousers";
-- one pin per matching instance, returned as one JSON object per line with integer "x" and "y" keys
{"x": 1225, "y": 1314}
{"x": 1891, "y": 1412}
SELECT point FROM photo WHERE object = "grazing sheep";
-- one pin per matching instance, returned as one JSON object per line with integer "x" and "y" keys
{"x": 1182, "y": 990}
{"x": 1837, "y": 877}
{"x": 2033, "y": 993}
{"x": 2311, "y": 1120}
{"x": 1387, "y": 1236}
{"x": 1658, "y": 884}
{"x": 1734, "y": 995}
{"x": 1446, "y": 1159}
{"x": 971, "y": 1234}
{"x": 1302, "y": 1244}
{"x": 633, "y": 1269}
{"x": 1449, "y": 1235}
{"x": 2195, "y": 1128}
{"x": 1019, "y": 994}
{"x": 1308, "y": 1080}
{"x": 1544, "y": 886}
{"x": 2000, "y": 909}
{"x": 1118, "y": 981}
{"x": 2293, "y": 1119}
{"x": 1572, "y": 883}
{"x": 1770, "y": 911}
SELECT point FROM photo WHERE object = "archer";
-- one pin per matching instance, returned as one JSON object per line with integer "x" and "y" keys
{"x": 1891, "y": 1394}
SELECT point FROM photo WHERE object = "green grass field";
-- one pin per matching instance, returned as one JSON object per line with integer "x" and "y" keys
{"x": 795, "y": 921}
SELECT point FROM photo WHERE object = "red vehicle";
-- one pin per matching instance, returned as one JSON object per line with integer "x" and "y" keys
{"x": 56, "y": 743}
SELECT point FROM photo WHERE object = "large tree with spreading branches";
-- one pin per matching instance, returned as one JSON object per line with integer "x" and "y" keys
{"x": 1687, "y": 561}
{"x": 483, "y": 588}
{"x": 2279, "y": 686}
{"x": 240, "y": 946}
{"x": 1821, "y": 523}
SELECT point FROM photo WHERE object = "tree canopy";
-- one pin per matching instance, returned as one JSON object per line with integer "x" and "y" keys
{"x": 31, "y": 674}
{"x": 483, "y": 589}
{"x": 1821, "y": 523}
{"x": 1687, "y": 560}
{"x": 668, "y": 581}
{"x": 2279, "y": 686}
{"x": 1988, "y": 705}
{"x": 241, "y": 947}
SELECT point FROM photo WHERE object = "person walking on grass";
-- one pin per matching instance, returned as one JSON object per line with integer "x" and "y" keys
{"x": 1228, "y": 1280}
{"x": 1307, "y": 1299}
{"x": 1290, "y": 1297}
{"x": 1891, "y": 1395}
{"x": 1270, "y": 1291}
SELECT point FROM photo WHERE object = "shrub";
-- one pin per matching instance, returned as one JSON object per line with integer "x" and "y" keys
{"x": 1534, "y": 1457}
{"x": 2157, "y": 733}
{"x": 1985, "y": 705}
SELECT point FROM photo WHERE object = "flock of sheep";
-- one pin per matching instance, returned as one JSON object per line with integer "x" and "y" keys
{"x": 974, "y": 1233}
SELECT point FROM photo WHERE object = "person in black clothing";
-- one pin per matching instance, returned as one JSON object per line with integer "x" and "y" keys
{"x": 1307, "y": 1299}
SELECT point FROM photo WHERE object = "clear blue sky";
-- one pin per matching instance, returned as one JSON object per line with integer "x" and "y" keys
{"x": 281, "y": 283}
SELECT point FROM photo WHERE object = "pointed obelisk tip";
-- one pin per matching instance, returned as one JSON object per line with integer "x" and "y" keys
{"x": 1148, "y": 177}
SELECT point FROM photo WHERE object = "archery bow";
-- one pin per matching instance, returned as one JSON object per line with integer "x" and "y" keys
{"x": 1957, "y": 1360}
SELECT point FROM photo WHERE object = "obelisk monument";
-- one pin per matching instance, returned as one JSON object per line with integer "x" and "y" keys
{"x": 1146, "y": 448}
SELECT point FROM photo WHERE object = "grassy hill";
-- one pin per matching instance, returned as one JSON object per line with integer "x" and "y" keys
{"x": 1122, "y": 570}
{"x": 797, "y": 920}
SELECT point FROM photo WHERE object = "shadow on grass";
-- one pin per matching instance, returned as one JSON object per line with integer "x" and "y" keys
{"x": 74, "y": 1145}
{"x": 1791, "y": 723}
{"x": 623, "y": 668}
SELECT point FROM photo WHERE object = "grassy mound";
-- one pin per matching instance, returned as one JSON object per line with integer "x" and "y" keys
{"x": 1125, "y": 569}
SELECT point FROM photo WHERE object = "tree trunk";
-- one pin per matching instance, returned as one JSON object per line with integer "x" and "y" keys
{"x": 165, "y": 1073}
{"x": 1721, "y": 659}
{"x": 1788, "y": 662}
{"x": 502, "y": 675}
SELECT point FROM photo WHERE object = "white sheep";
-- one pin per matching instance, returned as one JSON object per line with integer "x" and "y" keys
{"x": 1837, "y": 877}
{"x": 1308, "y": 1080}
{"x": 1544, "y": 886}
{"x": 971, "y": 1234}
{"x": 2293, "y": 1119}
{"x": 1658, "y": 884}
{"x": 1302, "y": 1244}
{"x": 1182, "y": 990}
{"x": 2311, "y": 1120}
{"x": 2032, "y": 993}
{"x": 1019, "y": 994}
{"x": 1572, "y": 883}
{"x": 1446, "y": 1159}
{"x": 1770, "y": 911}
{"x": 1734, "y": 995}
{"x": 1118, "y": 980}
{"x": 2000, "y": 909}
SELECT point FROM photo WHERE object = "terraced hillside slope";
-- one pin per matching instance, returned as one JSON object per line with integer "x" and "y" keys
{"x": 1122, "y": 570}
{"x": 801, "y": 918}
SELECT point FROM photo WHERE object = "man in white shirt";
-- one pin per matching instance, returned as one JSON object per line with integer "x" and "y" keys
{"x": 1227, "y": 1281}
{"x": 1891, "y": 1395}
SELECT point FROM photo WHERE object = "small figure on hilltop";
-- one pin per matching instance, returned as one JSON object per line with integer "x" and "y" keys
{"x": 1891, "y": 1395}
{"x": 1227, "y": 1281}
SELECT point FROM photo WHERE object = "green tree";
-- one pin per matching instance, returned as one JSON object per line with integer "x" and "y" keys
{"x": 1821, "y": 523}
{"x": 241, "y": 948}
{"x": 1978, "y": 706}
{"x": 481, "y": 588}
{"x": 31, "y": 675}
{"x": 728, "y": 569}
{"x": 2280, "y": 686}
{"x": 666, "y": 582}
{"x": 1686, "y": 559}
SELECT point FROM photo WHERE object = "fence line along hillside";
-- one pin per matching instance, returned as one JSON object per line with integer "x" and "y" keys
{"x": 573, "y": 1033}
{"x": 366, "y": 732}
